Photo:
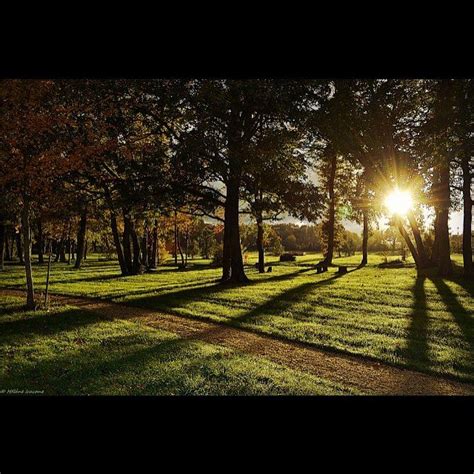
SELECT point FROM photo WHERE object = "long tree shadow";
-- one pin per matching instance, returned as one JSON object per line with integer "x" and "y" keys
{"x": 96, "y": 372}
{"x": 461, "y": 315}
{"x": 82, "y": 371}
{"x": 416, "y": 349}
{"x": 283, "y": 301}
{"x": 286, "y": 299}
{"x": 167, "y": 300}
{"x": 467, "y": 284}
{"x": 70, "y": 373}
{"x": 92, "y": 372}
{"x": 47, "y": 324}
{"x": 87, "y": 279}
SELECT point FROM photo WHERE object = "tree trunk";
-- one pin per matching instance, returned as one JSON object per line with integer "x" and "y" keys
{"x": 444, "y": 258}
{"x": 186, "y": 247}
{"x": 435, "y": 251}
{"x": 19, "y": 246}
{"x": 126, "y": 242}
{"x": 40, "y": 241}
{"x": 408, "y": 241}
{"x": 81, "y": 237}
{"x": 46, "y": 303}
{"x": 232, "y": 234}
{"x": 154, "y": 246}
{"x": 57, "y": 250}
{"x": 2, "y": 245}
{"x": 260, "y": 247}
{"x": 233, "y": 265}
{"x": 420, "y": 247}
{"x": 145, "y": 247}
{"x": 332, "y": 212}
{"x": 118, "y": 245}
{"x": 137, "y": 264}
{"x": 10, "y": 245}
{"x": 467, "y": 217}
{"x": 62, "y": 251}
{"x": 226, "y": 251}
{"x": 8, "y": 248}
{"x": 178, "y": 242}
{"x": 175, "y": 238}
{"x": 69, "y": 243}
{"x": 365, "y": 236}
{"x": 26, "y": 230}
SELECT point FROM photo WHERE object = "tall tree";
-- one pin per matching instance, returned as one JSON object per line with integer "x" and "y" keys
{"x": 29, "y": 132}
{"x": 371, "y": 122}
{"x": 226, "y": 119}
{"x": 278, "y": 181}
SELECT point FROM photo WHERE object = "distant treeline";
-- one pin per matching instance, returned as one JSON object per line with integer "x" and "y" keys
{"x": 310, "y": 238}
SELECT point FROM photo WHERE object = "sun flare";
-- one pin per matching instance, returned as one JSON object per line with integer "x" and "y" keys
{"x": 399, "y": 202}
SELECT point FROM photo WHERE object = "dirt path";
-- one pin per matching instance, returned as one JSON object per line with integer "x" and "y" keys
{"x": 367, "y": 376}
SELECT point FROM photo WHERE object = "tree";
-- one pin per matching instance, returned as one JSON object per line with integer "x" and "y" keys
{"x": 227, "y": 121}
{"x": 205, "y": 238}
{"x": 30, "y": 131}
{"x": 122, "y": 132}
{"x": 337, "y": 179}
{"x": 81, "y": 237}
{"x": 436, "y": 140}
{"x": 372, "y": 122}
{"x": 447, "y": 146}
{"x": 278, "y": 181}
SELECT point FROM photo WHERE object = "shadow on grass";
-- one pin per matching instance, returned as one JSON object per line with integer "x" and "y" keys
{"x": 416, "y": 349}
{"x": 467, "y": 284}
{"x": 464, "y": 318}
{"x": 169, "y": 367}
{"x": 191, "y": 267}
{"x": 46, "y": 324}
{"x": 87, "y": 279}
{"x": 285, "y": 300}
{"x": 194, "y": 293}
{"x": 416, "y": 353}
{"x": 87, "y": 371}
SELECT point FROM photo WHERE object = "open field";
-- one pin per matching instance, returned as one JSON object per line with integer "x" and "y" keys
{"x": 391, "y": 315}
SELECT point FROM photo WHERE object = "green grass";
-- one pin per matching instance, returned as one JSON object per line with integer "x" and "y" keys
{"x": 68, "y": 351}
{"x": 391, "y": 315}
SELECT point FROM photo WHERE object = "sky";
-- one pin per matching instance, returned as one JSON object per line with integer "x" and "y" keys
{"x": 455, "y": 223}
{"x": 455, "y": 218}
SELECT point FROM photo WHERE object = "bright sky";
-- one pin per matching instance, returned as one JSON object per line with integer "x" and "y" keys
{"x": 455, "y": 223}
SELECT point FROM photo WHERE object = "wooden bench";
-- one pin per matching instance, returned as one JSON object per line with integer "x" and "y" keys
{"x": 342, "y": 270}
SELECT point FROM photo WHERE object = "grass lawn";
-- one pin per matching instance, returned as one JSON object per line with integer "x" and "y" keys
{"x": 393, "y": 315}
{"x": 68, "y": 351}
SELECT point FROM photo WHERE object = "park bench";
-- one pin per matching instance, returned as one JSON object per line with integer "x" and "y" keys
{"x": 342, "y": 270}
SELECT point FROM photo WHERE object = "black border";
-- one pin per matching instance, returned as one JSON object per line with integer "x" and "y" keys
{"x": 359, "y": 428}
